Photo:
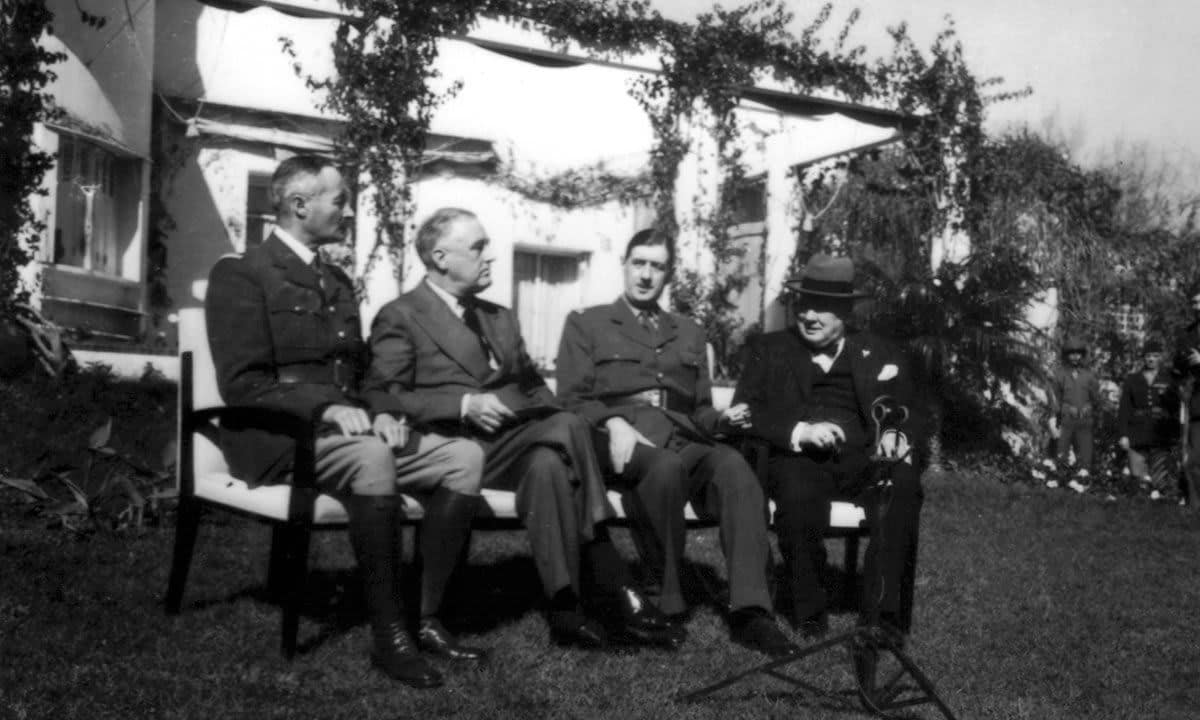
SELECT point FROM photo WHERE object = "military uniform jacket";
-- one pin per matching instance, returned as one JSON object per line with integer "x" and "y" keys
{"x": 777, "y": 384}
{"x": 424, "y": 359}
{"x": 609, "y": 365}
{"x": 1149, "y": 411}
{"x": 279, "y": 340}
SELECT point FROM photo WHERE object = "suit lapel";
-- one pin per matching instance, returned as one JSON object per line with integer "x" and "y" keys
{"x": 449, "y": 333}
{"x": 860, "y": 371}
{"x": 797, "y": 358}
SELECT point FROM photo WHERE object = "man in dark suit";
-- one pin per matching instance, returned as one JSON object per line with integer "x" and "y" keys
{"x": 1186, "y": 368}
{"x": 457, "y": 366}
{"x": 811, "y": 389}
{"x": 639, "y": 375}
{"x": 285, "y": 333}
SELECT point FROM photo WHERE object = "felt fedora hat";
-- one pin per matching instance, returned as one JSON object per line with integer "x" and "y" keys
{"x": 827, "y": 276}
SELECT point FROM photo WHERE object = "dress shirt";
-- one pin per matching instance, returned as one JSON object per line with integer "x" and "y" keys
{"x": 303, "y": 251}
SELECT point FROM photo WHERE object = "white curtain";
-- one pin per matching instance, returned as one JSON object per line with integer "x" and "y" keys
{"x": 546, "y": 289}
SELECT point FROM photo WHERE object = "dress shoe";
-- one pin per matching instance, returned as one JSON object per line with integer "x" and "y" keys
{"x": 814, "y": 627}
{"x": 754, "y": 628}
{"x": 396, "y": 656}
{"x": 436, "y": 640}
{"x": 571, "y": 628}
{"x": 642, "y": 623}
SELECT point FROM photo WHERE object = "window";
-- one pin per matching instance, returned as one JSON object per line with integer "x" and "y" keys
{"x": 97, "y": 206}
{"x": 260, "y": 211}
{"x": 1130, "y": 321}
{"x": 546, "y": 287}
{"x": 92, "y": 282}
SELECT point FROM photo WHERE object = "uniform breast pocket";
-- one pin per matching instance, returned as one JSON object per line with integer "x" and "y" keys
{"x": 614, "y": 357}
{"x": 297, "y": 324}
{"x": 690, "y": 362}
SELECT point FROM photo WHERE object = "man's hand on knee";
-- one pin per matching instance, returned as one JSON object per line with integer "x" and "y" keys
{"x": 392, "y": 430}
{"x": 623, "y": 438}
{"x": 349, "y": 419}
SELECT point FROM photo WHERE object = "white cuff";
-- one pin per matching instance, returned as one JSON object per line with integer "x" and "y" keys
{"x": 795, "y": 439}
{"x": 462, "y": 408}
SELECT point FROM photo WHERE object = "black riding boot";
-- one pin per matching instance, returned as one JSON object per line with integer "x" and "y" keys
{"x": 375, "y": 534}
{"x": 444, "y": 535}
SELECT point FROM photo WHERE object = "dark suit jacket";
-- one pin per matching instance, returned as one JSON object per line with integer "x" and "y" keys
{"x": 280, "y": 341}
{"x": 606, "y": 355}
{"x": 777, "y": 384}
{"x": 1184, "y": 373}
{"x": 424, "y": 359}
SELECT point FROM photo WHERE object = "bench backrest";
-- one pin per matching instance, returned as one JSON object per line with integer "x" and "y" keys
{"x": 193, "y": 338}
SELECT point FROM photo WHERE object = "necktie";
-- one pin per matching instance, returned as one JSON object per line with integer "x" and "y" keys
{"x": 471, "y": 318}
{"x": 317, "y": 269}
{"x": 649, "y": 322}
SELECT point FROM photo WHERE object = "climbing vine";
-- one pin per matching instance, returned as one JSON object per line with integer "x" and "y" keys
{"x": 24, "y": 74}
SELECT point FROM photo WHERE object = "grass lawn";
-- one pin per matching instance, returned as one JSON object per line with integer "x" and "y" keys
{"x": 1031, "y": 603}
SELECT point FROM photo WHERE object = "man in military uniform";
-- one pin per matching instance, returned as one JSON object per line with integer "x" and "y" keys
{"x": 639, "y": 375}
{"x": 285, "y": 334}
{"x": 1076, "y": 402}
{"x": 1148, "y": 416}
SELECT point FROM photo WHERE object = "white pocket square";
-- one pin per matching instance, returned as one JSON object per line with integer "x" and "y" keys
{"x": 888, "y": 372}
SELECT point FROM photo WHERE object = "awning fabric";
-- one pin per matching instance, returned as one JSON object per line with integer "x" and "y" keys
{"x": 458, "y": 151}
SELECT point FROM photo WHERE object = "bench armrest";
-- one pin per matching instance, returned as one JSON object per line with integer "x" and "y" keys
{"x": 300, "y": 429}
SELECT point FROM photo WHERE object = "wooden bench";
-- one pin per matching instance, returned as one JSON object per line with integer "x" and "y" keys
{"x": 294, "y": 511}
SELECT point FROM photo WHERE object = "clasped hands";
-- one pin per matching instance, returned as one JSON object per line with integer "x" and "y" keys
{"x": 487, "y": 412}
{"x": 829, "y": 436}
{"x": 353, "y": 420}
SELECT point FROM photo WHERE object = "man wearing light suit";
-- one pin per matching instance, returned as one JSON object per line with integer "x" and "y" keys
{"x": 456, "y": 365}
{"x": 811, "y": 390}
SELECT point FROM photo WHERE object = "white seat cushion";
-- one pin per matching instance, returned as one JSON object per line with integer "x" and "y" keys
{"x": 271, "y": 501}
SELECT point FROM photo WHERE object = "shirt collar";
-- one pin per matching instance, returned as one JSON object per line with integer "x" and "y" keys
{"x": 295, "y": 246}
{"x": 452, "y": 301}
{"x": 653, "y": 309}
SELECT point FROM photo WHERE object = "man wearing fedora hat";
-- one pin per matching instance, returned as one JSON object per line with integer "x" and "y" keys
{"x": 1075, "y": 398}
{"x": 639, "y": 375}
{"x": 811, "y": 389}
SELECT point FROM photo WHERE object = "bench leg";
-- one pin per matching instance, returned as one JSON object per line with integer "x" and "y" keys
{"x": 187, "y": 525}
{"x": 850, "y": 573}
{"x": 286, "y": 576}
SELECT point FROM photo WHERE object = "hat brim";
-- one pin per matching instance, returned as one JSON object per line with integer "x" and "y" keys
{"x": 853, "y": 295}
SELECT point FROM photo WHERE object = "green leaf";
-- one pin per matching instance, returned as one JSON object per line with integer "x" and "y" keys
{"x": 28, "y": 487}
{"x": 100, "y": 436}
{"x": 80, "y": 496}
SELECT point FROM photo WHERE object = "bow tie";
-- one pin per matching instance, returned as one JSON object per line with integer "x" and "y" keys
{"x": 828, "y": 351}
